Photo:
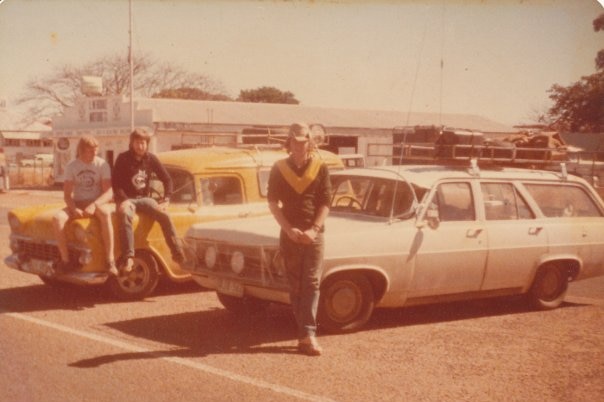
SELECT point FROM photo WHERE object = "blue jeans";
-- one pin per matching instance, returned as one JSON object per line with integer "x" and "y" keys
{"x": 304, "y": 265}
{"x": 149, "y": 207}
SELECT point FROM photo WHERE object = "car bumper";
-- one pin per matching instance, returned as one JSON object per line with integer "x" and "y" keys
{"x": 45, "y": 268}
{"x": 239, "y": 288}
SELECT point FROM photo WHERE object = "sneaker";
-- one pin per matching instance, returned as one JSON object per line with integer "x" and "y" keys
{"x": 309, "y": 346}
{"x": 127, "y": 265}
{"x": 112, "y": 269}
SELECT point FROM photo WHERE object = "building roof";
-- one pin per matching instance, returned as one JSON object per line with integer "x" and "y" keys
{"x": 10, "y": 120}
{"x": 243, "y": 113}
{"x": 22, "y": 135}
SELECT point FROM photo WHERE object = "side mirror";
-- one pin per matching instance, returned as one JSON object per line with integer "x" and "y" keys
{"x": 432, "y": 218}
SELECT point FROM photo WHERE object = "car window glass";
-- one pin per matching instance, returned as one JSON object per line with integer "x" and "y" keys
{"x": 557, "y": 201}
{"x": 221, "y": 191}
{"x": 263, "y": 175}
{"x": 349, "y": 193}
{"x": 182, "y": 186}
{"x": 454, "y": 202}
{"x": 502, "y": 202}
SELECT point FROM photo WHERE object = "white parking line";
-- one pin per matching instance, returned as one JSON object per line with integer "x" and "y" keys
{"x": 183, "y": 362}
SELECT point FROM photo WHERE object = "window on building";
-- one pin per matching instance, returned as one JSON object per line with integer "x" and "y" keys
{"x": 33, "y": 143}
{"x": 11, "y": 142}
{"x": 96, "y": 117}
{"x": 98, "y": 104}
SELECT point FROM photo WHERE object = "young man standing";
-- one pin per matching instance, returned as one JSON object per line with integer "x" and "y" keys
{"x": 131, "y": 178}
{"x": 299, "y": 194}
{"x": 87, "y": 192}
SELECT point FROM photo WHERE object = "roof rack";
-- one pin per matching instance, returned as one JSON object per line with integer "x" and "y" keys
{"x": 447, "y": 145}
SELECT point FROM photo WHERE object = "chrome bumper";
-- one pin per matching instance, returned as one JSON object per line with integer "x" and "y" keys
{"x": 45, "y": 268}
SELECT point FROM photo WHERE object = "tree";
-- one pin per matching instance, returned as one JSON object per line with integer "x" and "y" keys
{"x": 580, "y": 106}
{"x": 599, "y": 26}
{"x": 50, "y": 95}
{"x": 190, "y": 93}
{"x": 267, "y": 95}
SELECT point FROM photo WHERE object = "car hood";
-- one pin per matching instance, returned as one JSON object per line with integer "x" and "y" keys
{"x": 264, "y": 231}
{"x": 36, "y": 221}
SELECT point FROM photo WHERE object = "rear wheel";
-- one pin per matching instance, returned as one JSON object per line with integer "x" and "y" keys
{"x": 346, "y": 302}
{"x": 138, "y": 283}
{"x": 242, "y": 305}
{"x": 549, "y": 287}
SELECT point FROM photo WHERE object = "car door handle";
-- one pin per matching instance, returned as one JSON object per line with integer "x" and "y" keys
{"x": 535, "y": 230}
{"x": 473, "y": 233}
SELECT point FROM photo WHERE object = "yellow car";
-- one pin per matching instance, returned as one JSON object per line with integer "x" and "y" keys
{"x": 209, "y": 184}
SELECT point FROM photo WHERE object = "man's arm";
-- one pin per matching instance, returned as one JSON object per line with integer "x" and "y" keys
{"x": 163, "y": 175}
{"x": 107, "y": 194}
{"x": 295, "y": 234}
{"x": 117, "y": 180}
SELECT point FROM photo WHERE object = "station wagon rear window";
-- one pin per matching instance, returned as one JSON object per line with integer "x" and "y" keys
{"x": 563, "y": 201}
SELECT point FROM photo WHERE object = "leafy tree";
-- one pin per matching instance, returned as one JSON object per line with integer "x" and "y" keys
{"x": 50, "y": 95}
{"x": 190, "y": 93}
{"x": 267, "y": 95}
{"x": 580, "y": 106}
{"x": 599, "y": 26}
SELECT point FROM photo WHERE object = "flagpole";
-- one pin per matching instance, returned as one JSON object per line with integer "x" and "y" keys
{"x": 130, "y": 62}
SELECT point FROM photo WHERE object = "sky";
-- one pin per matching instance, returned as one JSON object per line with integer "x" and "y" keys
{"x": 499, "y": 57}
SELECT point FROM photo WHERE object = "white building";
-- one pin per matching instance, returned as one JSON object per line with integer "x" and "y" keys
{"x": 19, "y": 141}
{"x": 178, "y": 123}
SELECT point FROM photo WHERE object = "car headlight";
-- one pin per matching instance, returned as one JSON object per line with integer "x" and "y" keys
{"x": 209, "y": 257}
{"x": 14, "y": 222}
{"x": 80, "y": 234}
{"x": 237, "y": 262}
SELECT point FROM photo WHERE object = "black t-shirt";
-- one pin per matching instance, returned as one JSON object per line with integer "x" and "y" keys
{"x": 300, "y": 208}
{"x": 131, "y": 176}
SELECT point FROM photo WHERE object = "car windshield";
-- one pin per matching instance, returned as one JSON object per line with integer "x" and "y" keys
{"x": 371, "y": 196}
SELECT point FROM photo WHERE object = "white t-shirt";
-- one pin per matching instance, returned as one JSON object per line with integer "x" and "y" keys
{"x": 87, "y": 178}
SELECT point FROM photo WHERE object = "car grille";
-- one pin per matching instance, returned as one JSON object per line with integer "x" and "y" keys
{"x": 259, "y": 265}
{"x": 43, "y": 251}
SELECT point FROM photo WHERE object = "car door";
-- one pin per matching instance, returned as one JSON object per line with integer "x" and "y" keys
{"x": 451, "y": 257}
{"x": 574, "y": 223}
{"x": 516, "y": 239}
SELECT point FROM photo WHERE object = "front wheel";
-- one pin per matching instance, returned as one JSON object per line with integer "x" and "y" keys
{"x": 242, "y": 305}
{"x": 549, "y": 288}
{"x": 138, "y": 283}
{"x": 346, "y": 302}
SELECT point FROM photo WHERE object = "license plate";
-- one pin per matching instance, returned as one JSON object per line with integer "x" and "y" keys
{"x": 38, "y": 267}
{"x": 229, "y": 287}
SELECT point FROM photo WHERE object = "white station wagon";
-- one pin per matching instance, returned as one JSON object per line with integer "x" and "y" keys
{"x": 408, "y": 235}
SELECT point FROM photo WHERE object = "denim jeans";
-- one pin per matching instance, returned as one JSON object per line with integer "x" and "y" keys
{"x": 149, "y": 207}
{"x": 304, "y": 265}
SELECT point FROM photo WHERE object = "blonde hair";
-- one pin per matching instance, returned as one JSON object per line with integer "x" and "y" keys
{"x": 86, "y": 141}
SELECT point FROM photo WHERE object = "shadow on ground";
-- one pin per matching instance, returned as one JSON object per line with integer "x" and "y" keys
{"x": 71, "y": 297}
{"x": 217, "y": 331}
